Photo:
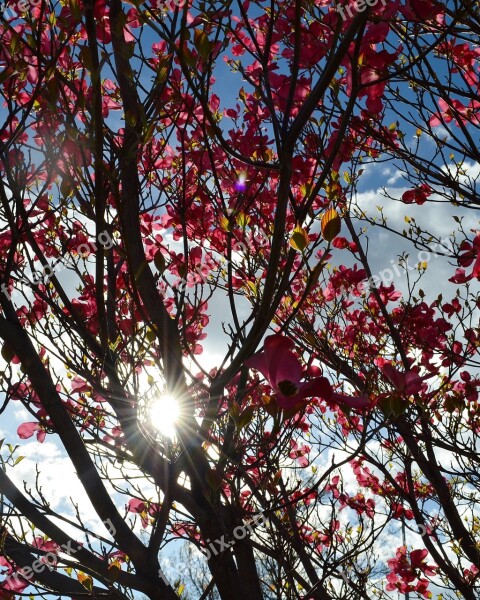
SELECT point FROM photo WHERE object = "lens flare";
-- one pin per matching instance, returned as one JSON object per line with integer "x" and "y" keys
{"x": 163, "y": 413}
{"x": 241, "y": 183}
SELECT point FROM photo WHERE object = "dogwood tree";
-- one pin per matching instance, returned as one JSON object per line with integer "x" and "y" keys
{"x": 201, "y": 315}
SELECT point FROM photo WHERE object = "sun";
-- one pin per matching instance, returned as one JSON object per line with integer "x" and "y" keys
{"x": 163, "y": 414}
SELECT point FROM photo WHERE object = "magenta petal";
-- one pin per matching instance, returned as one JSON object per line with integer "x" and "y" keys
{"x": 395, "y": 377}
{"x": 285, "y": 402}
{"x": 136, "y": 505}
{"x": 26, "y": 430}
{"x": 476, "y": 267}
{"x": 359, "y": 402}
{"x": 277, "y": 342}
{"x": 413, "y": 383}
{"x": 259, "y": 362}
{"x": 320, "y": 386}
{"x": 283, "y": 365}
{"x": 16, "y": 583}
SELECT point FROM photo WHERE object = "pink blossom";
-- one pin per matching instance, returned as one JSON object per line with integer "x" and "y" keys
{"x": 143, "y": 509}
{"x": 418, "y": 195}
{"x": 406, "y": 383}
{"x": 299, "y": 453}
{"x": 26, "y": 430}
{"x": 283, "y": 371}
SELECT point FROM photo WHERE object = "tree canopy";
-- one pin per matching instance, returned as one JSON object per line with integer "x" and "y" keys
{"x": 239, "y": 265}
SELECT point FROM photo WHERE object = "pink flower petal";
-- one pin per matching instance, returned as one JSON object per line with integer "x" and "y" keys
{"x": 460, "y": 277}
{"x": 395, "y": 377}
{"x": 277, "y": 362}
{"x": 277, "y": 343}
{"x": 413, "y": 383}
{"x": 320, "y": 386}
{"x": 476, "y": 268}
{"x": 359, "y": 402}
{"x": 79, "y": 385}
{"x": 289, "y": 402}
{"x": 285, "y": 367}
{"x": 16, "y": 583}
{"x": 135, "y": 505}
{"x": 259, "y": 362}
{"x": 417, "y": 556}
{"x": 26, "y": 430}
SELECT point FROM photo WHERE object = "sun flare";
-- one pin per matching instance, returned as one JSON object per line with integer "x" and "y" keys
{"x": 163, "y": 413}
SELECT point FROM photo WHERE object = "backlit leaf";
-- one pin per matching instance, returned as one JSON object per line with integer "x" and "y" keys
{"x": 299, "y": 239}
{"x": 331, "y": 224}
{"x": 159, "y": 261}
{"x": 85, "y": 580}
{"x": 8, "y": 352}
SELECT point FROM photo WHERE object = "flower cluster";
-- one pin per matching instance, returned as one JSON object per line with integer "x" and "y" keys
{"x": 283, "y": 371}
{"x": 406, "y": 570}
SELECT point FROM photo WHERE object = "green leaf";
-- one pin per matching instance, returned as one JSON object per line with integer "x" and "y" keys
{"x": 393, "y": 406}
{"x": 315, "y": 275}
{"x": 234, "y": 411}
{"x": 272, "y": 408}
{"x": 131, "y": 118}
{"x": 245, "y": 418}
{"x": 202, "y": 43}
{"x": 86, "y": 581}
{"x": 331, "y": 225}
{"x": 66, "y": 187}
{"x": 299, "y": 240}
{"x": 242, "y": 220}
{"x": 8, "y": 353}
{"x": 150, "y": 335}
{"x": 159, "y": 262}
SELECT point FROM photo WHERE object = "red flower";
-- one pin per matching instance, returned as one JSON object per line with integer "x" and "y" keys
{"x": 417, "y": 558}
{"x": 26, "y": 430}
{"x": 450, "y": 111}
{"x": 144, "y": 509}
{"x": 406, "y": 383}
{"x": 299, "y": 453}
{"x": 283, "y": 371}
{"x": 418, "y": 195}
{"x": 471, "y": 253}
